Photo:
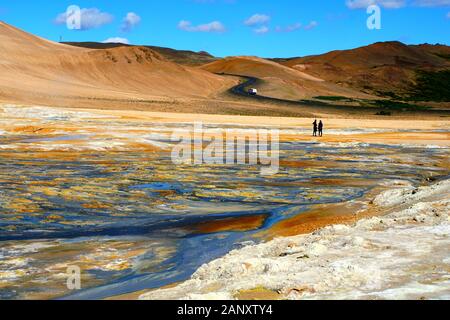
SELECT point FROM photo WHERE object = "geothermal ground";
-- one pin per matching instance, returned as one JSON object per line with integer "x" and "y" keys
{"x": 97, "y": 189}
{"x": 401, "y": 255}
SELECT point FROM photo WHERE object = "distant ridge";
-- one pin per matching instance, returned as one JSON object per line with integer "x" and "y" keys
{"x": 184, "y": 57}
{"x": 380, "y": 67}
{"x": 279, "y": 81}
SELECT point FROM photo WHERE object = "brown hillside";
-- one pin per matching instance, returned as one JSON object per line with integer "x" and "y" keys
{"x": 439, "y": 50}
{"x": 32, "y": 67}
{"x": 279, "y": 81}
{"x": 384, "y": 66}
{"x": 183, "y": 57}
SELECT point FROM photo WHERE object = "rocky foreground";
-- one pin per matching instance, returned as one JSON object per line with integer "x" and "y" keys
{"x": 404, "y": 254}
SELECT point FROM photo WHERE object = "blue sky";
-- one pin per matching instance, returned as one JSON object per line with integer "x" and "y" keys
{"x": 266, "y": 28}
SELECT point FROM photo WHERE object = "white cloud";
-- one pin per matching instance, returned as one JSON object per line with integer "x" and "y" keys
{"x": 257, "y": 19}
{"x": 90, "y": 18}
{"x": 311, "y": 25}
{"x": 262, "y": 30}
{"x": 290, "y": 28}
{"x": 432, "y": 3}
{"x": 215, "y": 26}
{"x": 117, "y": 40}
{"x": 388, "y": 4}
{"x": 130, "y": 21}
{"x": 448, "y": 15}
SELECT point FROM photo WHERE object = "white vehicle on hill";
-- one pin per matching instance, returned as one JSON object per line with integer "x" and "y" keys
{"x": 252, "y": 91}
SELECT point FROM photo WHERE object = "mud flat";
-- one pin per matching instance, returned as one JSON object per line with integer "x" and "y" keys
{"x": 402, "y": 254}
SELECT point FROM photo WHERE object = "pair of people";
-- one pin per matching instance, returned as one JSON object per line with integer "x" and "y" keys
{"x": 318, "y": 128}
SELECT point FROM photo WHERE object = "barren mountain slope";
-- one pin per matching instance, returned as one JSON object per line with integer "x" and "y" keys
{"x": 279, "y": 81}
{"x": 34, "y": 67}
{"x": 183, "y": 57}
{"x": 383, "y": 66}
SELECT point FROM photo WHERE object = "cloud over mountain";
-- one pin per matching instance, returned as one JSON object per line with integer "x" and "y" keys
{"x": 214, "y": 26}
{"x": 117, "y": 40}
{"x": 130, "y": 21}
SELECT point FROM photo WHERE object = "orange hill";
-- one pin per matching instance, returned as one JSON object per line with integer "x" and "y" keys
{"x": 34, "y": 69}
{"x": 278, "y": 80}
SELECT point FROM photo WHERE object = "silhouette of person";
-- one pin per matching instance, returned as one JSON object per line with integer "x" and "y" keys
{"x": 320, "y": 128}
{"x": 315, "y": 128}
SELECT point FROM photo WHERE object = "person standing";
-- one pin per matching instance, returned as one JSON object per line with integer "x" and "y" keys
{"x": 315, "y": 128}
{"x": 320, "y": 128}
